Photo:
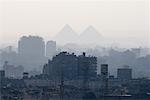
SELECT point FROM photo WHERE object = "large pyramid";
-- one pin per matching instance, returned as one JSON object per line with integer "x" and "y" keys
{"x": 66, "y": 35}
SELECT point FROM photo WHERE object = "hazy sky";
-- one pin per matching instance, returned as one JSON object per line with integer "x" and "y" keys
{"x": 115, "y": 19}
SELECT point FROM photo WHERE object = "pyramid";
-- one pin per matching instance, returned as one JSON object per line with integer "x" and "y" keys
{"x": 66, "y": 35}
{"x": 90, "y": 35}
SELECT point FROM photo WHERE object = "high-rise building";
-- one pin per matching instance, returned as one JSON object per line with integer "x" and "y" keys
{"x": 104, "y": 71}
{"x": 104, "y": 78}
{"x": 31, "y": 51}
{"x": 2, "y": 74}
{"x": 124, "y": 73}
{"x": 32, "y": 46}
{"x": 50, "y": 49}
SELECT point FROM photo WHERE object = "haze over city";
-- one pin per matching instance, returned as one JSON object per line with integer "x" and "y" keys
{"x": 74, "y": 50}
{"x": 120, "y": 22}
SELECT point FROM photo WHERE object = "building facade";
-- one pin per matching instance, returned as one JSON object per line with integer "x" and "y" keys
{"x": 31, "y": 50}
{"x": 71, "y": 66}
{"x": 124, "y": 73}
{"x": 50, "y": 49}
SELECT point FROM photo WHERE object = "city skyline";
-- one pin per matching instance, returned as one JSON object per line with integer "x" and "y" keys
{"x": 74, "y": 50}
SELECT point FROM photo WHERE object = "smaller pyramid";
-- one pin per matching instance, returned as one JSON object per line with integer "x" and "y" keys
{"x": 90, "y": 35}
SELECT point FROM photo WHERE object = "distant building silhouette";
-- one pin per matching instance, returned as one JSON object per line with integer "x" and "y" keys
{"x": 31, "y": 46}
{"x": 8, "y": 54}
{"x": 50, "y": 49}
{"x": 2, "y": 77}
{"x": 104, "y": 78}
{"x": 124, "y": 73}
{"x": 2, "y": 74}
{"x": 104, "y": 71}
{"x": 136, "y": 51}
{"x": 12, "y": 71}
{"x": 31, "y": 51}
